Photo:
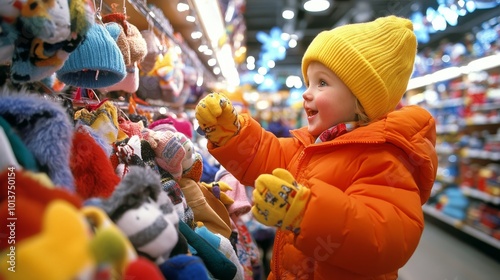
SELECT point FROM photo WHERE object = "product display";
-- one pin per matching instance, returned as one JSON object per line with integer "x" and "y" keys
{"x": 466, "y": 107}
{"x": 107, "y": 108}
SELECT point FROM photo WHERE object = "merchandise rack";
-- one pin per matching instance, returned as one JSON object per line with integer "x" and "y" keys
{"x": 476, "y": 119}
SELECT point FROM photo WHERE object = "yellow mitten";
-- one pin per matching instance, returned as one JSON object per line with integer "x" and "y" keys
{"x": 219, "y": 189}
{"x": 217, "y": 118}
{"x": 279, "y": 200}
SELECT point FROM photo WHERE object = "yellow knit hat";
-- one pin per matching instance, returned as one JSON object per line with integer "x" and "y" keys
{"x": 374, "y": 59}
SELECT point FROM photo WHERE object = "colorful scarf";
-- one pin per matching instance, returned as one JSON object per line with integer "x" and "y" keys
{"x": 335, "y": 131}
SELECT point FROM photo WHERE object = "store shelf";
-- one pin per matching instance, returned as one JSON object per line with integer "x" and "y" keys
{"x": 468, "y": 191}
{"x": 459, "y": 225}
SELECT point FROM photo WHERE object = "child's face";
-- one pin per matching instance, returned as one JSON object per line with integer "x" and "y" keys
{"x": 327, "y": 100}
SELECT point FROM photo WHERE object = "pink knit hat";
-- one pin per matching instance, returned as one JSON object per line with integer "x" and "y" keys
{"x": 162, "y": 125}
{"x": 169, "y": 153}
{"x": 183, "y": 126}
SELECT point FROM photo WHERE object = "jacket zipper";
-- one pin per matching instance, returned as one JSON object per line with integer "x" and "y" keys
{"x": 276, "y": 246}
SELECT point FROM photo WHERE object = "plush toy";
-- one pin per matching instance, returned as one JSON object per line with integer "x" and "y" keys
{"x": 45, "y": 129}
{"x": 119, "y": 252}
{"x": 145, "y": 214}
{"x": 33, "y": 192}
{"x": 60, "y": 251}
{"x": 94, "y": 175}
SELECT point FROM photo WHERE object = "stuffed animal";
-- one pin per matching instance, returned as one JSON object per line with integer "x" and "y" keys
{"x": 146, "y": 215}
{"x": 59, "y": 252}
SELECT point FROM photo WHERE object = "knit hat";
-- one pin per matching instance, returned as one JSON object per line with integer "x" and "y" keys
{"x": 374, "y": 59}
{"x": 133, "y": 48}
{"x": 163, "y": 125}
{"x": 129, "y": 84}
{"x": 130, "y": 41}
{"x": 182, "y": 125}
{"x": 104, "y": 120}
{"x": 86, "y": 67}
{"x": 153, "y": 50}
{"x": 169, "y": 153}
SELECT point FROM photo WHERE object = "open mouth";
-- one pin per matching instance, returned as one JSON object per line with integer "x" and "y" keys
{"x": 311, "y": 113}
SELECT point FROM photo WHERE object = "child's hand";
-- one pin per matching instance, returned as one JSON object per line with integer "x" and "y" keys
{"x": 279, "y": 200}
{"x": 217, "y": 118}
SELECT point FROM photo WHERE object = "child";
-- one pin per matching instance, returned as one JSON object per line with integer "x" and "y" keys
{"x": 346, "y": 191}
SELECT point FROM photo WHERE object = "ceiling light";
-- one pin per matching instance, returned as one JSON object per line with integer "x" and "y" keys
{"x": 288, "y": 14}
{"x": 316, "y": 5}
{"x": 210, "y": 17}
{"x": 190, "y": 18}
{"x": 202, "y": 48}
{"x": 196, "y": 35}
{"x": 212, "y": 62}
{"x": 182, "y": 6}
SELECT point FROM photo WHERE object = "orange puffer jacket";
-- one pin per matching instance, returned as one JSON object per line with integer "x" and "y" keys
{"x": 364, "y": 219}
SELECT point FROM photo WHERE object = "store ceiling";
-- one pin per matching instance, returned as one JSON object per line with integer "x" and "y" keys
{"x": 262, "y": 15}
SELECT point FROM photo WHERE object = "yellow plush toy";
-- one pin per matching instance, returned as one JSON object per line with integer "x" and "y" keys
{"x": 59, "y": 252}
{"x": 73, "y": 243}
{"x": 109, "y": 246}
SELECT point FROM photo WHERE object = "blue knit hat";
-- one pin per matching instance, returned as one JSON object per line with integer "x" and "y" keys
{"x": 97, "y": 62}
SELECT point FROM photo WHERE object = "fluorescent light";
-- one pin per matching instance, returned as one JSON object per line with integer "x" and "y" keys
{"x": 227, "y": 65}
{"x": 316, "y": 5}
{"x": 210, "y": 16}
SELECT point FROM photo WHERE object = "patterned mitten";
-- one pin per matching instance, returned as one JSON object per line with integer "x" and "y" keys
{"x": 217, "y": 118}
{"x": 219, "y": 189}
{"x": 279, "y": 200}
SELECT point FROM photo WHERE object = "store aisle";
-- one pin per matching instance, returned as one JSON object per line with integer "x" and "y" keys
{"x": 442, "y": 256}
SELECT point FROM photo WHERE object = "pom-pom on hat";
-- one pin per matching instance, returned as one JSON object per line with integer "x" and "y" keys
{"x": 97, "y": 62}
{"x": 374, "y": 59}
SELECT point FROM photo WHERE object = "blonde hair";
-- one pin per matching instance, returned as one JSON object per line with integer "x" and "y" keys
{"x": 362, "y": 118}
